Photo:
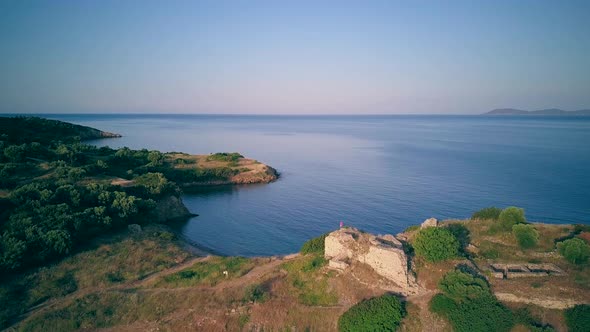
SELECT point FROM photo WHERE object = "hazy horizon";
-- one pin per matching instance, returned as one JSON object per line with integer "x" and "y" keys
{"x": 293, "y": 58}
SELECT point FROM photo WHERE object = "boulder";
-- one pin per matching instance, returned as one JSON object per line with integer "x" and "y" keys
{"x": 134, "y": 228}
{"x": 170, "y": 208}
{"x": 430, "y": 222}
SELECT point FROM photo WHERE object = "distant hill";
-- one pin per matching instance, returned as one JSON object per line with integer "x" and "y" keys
{"x": 548, "y": 111}
{"x": 26, "y": 129}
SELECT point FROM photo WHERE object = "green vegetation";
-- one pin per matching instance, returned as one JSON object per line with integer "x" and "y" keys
{"x": 382, "y": 313}
{"x": 469, "y": 305}
{"x": 436, "y": 244}
{"x": 314, "y": 246}
{"x": 489, "y": 213}
{"x": 59, "y": 192}
{"x": 462, "y": 235}
{"x": 224, "y": 156}
{"x": 511, "y": 216}
{"x": 578, "y": 318}
{"x": 208, "y": 272}
{"x": 575, "y": 250}
{"x": 526, "y": 235}
{"x": 256, "y": 293}
{"x": 310, "y": 285}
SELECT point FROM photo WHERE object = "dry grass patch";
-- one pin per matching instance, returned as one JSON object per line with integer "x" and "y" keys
{"x": 209, "y": 272}
{"x": 120, "y": 258}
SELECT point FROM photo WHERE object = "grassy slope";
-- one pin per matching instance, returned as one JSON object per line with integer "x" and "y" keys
{"x": 148, "y": 281}
{"x": 493, "y": 246}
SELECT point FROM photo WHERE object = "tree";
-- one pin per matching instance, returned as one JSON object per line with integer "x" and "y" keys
{"x": 15, "y": 153}
{"x": 58, "y": 241}
{"x": 489, "y": 213}
{"x": 511, "y": 216}
{"x": 574, "y": 250}
{"x": 526, "y": 235}
{"x": 124, "y": 205}
{"x": 436, "y": 244}
{"x": 156, "y": 158}
{"x": 12, "y": 252}
{"x": 155, "y": 183}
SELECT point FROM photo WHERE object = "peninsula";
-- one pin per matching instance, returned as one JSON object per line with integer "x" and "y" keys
{"x": 84, "y": 245}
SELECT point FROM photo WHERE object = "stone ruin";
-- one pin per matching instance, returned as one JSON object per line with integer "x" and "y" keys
{"x": 510, "y": 271}
{"x": 430, "y": 222}
{"x": 383, "y": 253}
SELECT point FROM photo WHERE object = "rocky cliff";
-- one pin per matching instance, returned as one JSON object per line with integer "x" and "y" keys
{"x": 171, "y": 207}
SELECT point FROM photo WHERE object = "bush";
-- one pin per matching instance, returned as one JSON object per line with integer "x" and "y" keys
{"x": 462, "y": 235}
{"x": 526, "y": 235}
{"x": 469, "y": 305}
{"x": 382, "y": 313}
{"x": 459, "y": 285}
{"x": 314, "y": 246}
{"x": 578, "y": 318}
{"x": 479, "y": 314}
{"x": 256, "y": 293}
{"x": 511, "y": 216}
{"x": 436, "y": 244}
{"x": 574, "y": 250}
{"x": 489, "y": 213}
{"x": 225, "y": 156}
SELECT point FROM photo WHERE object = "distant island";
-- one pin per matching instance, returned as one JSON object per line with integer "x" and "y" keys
{"x": 548, "y": 111}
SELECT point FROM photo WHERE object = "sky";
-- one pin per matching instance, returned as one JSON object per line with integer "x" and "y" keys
{"x": 293, "y": 57}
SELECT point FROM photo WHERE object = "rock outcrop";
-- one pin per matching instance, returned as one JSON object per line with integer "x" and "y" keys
{"x": 171, "y": 207}
{"x": 430, "y": 222}
{"x": 384, "y": 254}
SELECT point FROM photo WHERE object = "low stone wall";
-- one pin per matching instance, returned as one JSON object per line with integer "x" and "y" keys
{"x": 509, "y": 271}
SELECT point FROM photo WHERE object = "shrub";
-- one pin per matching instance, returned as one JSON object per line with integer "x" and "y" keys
{"x": 436, "y": 244}
{"x": 461, "y": 233}
{"x": 314, "y": 246}
{"x": 574, "y": 250}
{"x": 578, "y": 318}
{"x": 460, "y": 285}
{"x": 511, "y": 216}
{"x": 469, "y": 305}
{"x": 225, "y": 156}
{"x": 489, "y": 213}
{"x": 480, "y": 314}
{"x": 256, "y": 293}
{"x": 382, "y": 313}
{"x": 526, "y": 235}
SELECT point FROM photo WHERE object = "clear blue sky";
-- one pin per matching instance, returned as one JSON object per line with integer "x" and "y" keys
{"x": 316, "y": 57}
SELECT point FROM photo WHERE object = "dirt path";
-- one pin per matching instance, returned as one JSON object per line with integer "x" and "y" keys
{"x": 257, "y": 273}
{"x": 429, "y": 321}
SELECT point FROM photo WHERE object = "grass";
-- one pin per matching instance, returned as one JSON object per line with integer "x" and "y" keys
{"x": 120, "y": 258}
{"x": 106, "y": 309}
{"x": 209, "y": 272}
{"x": 308, "y": 282}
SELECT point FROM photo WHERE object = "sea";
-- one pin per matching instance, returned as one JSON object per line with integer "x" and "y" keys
{"x": 377, "y": 173}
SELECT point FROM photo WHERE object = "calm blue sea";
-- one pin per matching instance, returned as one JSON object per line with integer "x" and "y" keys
{"x": 378, "y": 173}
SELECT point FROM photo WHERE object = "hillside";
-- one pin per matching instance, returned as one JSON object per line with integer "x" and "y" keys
{"x": 161, "y": 286}
{"x": 19, "y": 130}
